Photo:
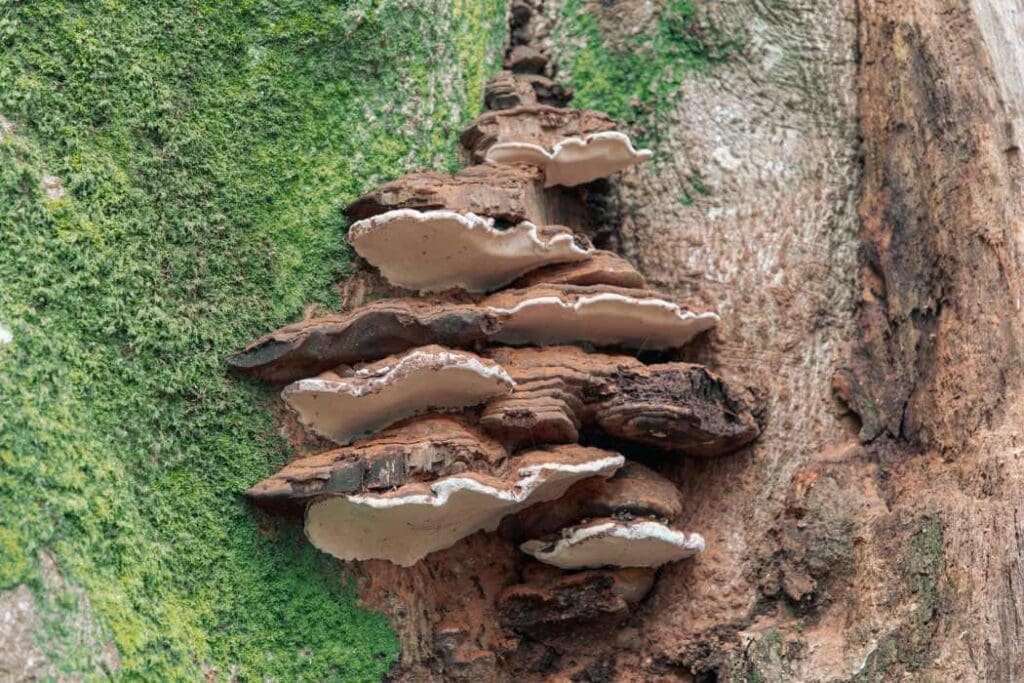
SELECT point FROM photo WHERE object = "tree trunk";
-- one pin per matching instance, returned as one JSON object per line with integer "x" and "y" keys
{"x": 846, "y": 188}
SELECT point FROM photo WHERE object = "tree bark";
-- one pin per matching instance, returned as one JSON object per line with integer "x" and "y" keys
{"x": 860, "y": 228}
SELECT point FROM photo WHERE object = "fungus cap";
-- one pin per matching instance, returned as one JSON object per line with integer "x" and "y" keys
{"x": 603, "y": 316}
{"x": 612, "y": 542}
{"x": 408, "y": 523}
{"x": 431, "y": 377}
{"x": 417, "y": 449}
{"x": 373, "y": 331}
{"x": 432, "y": 251}
{"x": 575, "y": 160}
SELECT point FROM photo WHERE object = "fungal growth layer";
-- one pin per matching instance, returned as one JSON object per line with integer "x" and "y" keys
{"x": 437, "y": 250}
{"x": 501, "y": 402}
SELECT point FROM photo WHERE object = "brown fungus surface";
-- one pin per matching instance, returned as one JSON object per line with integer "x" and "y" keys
{"x": 550, "y": 597}
{"x": 437, "y": 250}
{"x": 368, "y": 333}
{"x": 540, "y": 125}
{"x": 679, "y": 407}
{"x": 417, "y": 449}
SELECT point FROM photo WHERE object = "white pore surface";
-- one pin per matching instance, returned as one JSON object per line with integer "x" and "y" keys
{"x": 432, "y": 251}
{"x": 405, "y": 525}
{"x": 343, "y": 409}
{"x": 604, "y": 320}
{"x": 617, "y": 544}
{"x": 575, "y": 160}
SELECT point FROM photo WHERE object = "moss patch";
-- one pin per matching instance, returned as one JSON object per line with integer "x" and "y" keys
{"x": 636, "y": 81}
{"x": 205, "y": 150}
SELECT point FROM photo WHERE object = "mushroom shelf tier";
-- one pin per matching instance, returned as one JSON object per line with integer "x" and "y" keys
{"x": 403, "y": 525}
{"x": 433, "y": 251}
{"x": 598, "y": 315}
{"x": 680, "y": 407}
{"x": 474, "y": 408}
{"x": 614, "y": 542}
{"x": 344, "y": 408}
{"x": 417, "y": 449}
{"x": 571, "y": 146}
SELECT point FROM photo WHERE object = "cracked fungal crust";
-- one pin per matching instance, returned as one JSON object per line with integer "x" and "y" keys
{"x": 407, "y": 523}
{"x": 548, "y": 596}
{"x": 678, "y": 406}
{"x": 344, "y": 408}
{"x": 540, "y": 125}
{"x": 507, "y": 193}
{"x": 421, "y": 448}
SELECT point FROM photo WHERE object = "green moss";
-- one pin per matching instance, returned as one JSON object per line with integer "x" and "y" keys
{"x": 909, "y": 647}
{"x": 637, "y": 81}
{"x": 206, "y": 150}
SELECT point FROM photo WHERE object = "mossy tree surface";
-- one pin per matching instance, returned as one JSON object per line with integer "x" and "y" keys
{"x": 205, "y": 150}
{"x": 637, "y": 80}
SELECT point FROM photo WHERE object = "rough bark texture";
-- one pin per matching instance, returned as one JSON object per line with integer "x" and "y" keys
{"x": 549, "y": 596}
{"x": 859, "y": 223}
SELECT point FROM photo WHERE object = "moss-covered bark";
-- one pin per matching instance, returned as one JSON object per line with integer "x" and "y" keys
{"x": 196, "y": 155}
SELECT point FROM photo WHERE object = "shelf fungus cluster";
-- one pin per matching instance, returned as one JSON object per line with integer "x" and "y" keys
{"x": 496, "y": 394}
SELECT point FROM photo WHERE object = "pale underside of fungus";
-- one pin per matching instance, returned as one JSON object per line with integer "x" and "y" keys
{"x": 406, "y": 524}
{"x": 433, "y": 251}
{"x": 575, "y": 160}
{"x": 431, "y": 377}
{"x": 602, "y": 316}
{"x": 616, "y": 543}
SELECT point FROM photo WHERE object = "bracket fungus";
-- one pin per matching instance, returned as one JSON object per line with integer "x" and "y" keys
{"x": 681, "y": 407}
{"x": 633, "y": 492}
{"x": 430, "y": 431}
{"x": 405, "y": 524}
{"x": 574, "y": 161}
{"x": 506, "y": 193}
{"x": 548, "y": 596}
{"x": 376, "y": 395}
{"x": 506, "y": 90}
{"x": 432, "y": 251}
{"x": 378, "y": 329}
{"x": 571, "y": 146}
{"x": 420, "y": 448}
{"x": 599, "y": 268}
{"x": 599, "y": 315}
{"x": 543, "y": 314}
{"x": 619, "y": 543}
{"x": 622, "y": 521}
